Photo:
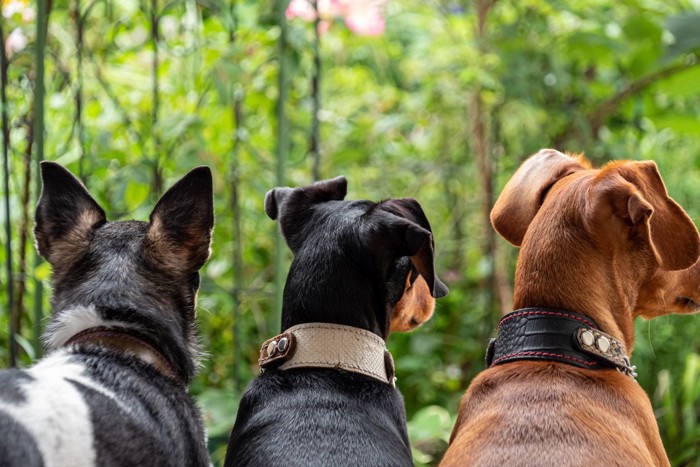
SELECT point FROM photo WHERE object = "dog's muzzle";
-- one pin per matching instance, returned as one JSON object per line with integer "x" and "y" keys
{"x": 557, "y": 335}
{"x": 325, "y": 345}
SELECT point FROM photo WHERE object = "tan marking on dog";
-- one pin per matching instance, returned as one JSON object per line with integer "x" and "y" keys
{"x": 73, "y": 245}
{"x": 415, "y": 307}
{"x": 176, "y": 257}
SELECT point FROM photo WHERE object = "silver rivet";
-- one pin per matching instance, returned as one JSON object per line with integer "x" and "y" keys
{"x": 271, "y": 348}
{"x": 603, "y": 344}
{"x": 587, "y": 338}
{"x": 282, "y": 344}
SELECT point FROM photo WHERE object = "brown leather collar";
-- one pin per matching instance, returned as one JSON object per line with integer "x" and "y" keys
{"x": 325, "y": 345}
{"x": 127, "y": 343}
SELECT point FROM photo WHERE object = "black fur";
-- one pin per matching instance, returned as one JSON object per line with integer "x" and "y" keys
{"x": 136, "y": 276}
{"x": 350, "y": 266}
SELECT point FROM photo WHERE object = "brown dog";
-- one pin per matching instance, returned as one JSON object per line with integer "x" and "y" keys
{"x": 599, "y": 248}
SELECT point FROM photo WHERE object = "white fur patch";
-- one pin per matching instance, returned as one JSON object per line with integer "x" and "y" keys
{"x": 70, "y": 322}
{"x": 55, "y": 413}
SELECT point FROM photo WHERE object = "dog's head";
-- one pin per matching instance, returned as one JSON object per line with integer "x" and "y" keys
{"x": 628, "y": 233}
{"x": 143, "y": 273}
{"x": 345, "y": 251}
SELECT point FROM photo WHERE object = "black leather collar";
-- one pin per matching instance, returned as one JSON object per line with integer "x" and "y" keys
{"x": 556, "y": 335}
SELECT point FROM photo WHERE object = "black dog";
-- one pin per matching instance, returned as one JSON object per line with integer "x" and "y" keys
{"x": 367, "y": 268}
{"x": 122, "y": 345}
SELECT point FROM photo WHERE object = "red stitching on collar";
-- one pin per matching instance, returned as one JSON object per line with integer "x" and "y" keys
{"x": 554, "y": 313}
{"x": 542, "y": 354}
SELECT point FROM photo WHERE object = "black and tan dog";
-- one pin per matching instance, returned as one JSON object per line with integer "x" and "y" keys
{"x": 112, "y": 390}
{"x": 326, "y": 397}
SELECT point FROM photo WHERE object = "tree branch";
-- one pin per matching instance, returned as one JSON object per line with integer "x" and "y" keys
{"x": 601, "y": 112}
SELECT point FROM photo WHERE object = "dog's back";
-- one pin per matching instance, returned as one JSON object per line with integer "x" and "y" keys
{"x": 540, "y": 414}
{"x": 320, "y": 417}
{"x": 90, "y": 408}
{"x": 121, "y": 343}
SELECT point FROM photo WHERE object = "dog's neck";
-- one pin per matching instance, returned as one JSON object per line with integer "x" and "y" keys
{"x": 126, "y": 342}
{"x": 73, "y": 321}
{"x": 588, "y": 282}
{"x": 332, "y": 294}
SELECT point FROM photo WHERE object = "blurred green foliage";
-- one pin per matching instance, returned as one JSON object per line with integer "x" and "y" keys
{"x": 613, "y": 79}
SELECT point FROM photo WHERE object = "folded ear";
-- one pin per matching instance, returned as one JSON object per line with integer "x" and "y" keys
{"x": 319, "y": 192}
{"x": 274, "y": 200}
{"x": 65, "y": 216}
{"x": 524, "y": 193}
{"x": 179, "y": 234}
{"x": 672, "y": 234}
{"x": 416, "y": 240}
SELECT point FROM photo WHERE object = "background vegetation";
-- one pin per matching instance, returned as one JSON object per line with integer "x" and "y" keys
{"x": 439, "y": 100}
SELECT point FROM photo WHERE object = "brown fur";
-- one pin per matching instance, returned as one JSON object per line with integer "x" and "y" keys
{"x": 415, "y": 307}
{"x": 608, "y": 243}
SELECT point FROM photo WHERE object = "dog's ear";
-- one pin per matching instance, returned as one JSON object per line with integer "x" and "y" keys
{"x": 524, "y": 193}
{"x": 179, "y": 234}
{"x": 274, "y": 199}
{"x": 319, "y": 192}
{"x": 65, "y": 216}
{"x": 672, "y": 235}
{"x": 415, "y": 239}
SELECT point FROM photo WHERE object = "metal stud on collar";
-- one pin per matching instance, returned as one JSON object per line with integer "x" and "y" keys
{"x": 605, "y": 347}
{"x": 587, "y": 338}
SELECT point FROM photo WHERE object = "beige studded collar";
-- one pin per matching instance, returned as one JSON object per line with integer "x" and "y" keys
{"x": 325, "y": 345}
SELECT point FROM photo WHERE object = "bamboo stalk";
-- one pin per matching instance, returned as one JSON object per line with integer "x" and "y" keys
{"x": 39, "y": 94}
{"x": 237, "y": 118}
{"x": 78, "y": 21}
{"x": 155, "y": 92}
{"x": 480, "y": 139}
{"x": 314, "y": 145}
{"x": 282, "y": 147}
{"x": 8, "y": 223}
{"x": 23, "y": 229}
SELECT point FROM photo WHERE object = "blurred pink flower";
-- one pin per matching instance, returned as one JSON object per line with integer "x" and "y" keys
{"x": 363, "y": 17}
{"x": 301, "y": 9}
{"x": 13, "y": 7}
{"x": 15, "y": 42}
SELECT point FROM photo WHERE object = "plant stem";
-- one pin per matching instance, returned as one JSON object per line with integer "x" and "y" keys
{"x": 8, "y": 223}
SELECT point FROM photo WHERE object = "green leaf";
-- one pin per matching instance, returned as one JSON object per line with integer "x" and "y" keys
{"x": 43, "y": 271}
{"x": 684, "y": 83}
{"x": 135, "y": 195}
{"x": 432, "y": 422}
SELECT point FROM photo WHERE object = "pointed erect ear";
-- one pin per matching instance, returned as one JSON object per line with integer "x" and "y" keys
{"x": 672, "y": 234}
{"x": 65, "y": 216}
{"x": 179, "y": 235}
{"x": 417, "y": 242}
{"x": 319, "y": 192}
{"x": 524, "y": 193}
